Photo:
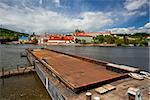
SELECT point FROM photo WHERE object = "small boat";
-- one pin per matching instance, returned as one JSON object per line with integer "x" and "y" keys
{"x": 145, "y": 73}
{"x": 136, "y": 76}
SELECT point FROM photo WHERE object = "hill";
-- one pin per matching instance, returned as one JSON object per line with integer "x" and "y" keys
{"x": 10, "y": 35}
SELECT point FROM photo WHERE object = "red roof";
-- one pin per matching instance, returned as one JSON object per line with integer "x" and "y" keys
{"x": 91, "y": 33}
{"x": 61, "y": 38}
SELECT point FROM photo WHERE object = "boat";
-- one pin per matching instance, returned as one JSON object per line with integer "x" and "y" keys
{"x": 145, "y": 74}
{"x": 136, "y": 76}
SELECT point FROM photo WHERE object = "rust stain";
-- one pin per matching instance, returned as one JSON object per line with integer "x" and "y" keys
{"x": 77, "y": 72}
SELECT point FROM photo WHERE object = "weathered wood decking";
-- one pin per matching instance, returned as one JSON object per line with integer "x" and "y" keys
{"x": 57, "y": 69}
{"x": 18, "y": 71}
{"x": 77, "y": 73}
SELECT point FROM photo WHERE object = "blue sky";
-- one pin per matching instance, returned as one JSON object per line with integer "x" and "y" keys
{"x": 40, "y": 16}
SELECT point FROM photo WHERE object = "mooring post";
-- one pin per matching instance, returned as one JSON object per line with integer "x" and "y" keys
{"x": 2, "y": 71}
{"x": 18, "y": 69}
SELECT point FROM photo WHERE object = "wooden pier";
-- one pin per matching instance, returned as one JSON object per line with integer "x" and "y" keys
{"x": 69, "y": 77}
{"x": 18, "y": 71}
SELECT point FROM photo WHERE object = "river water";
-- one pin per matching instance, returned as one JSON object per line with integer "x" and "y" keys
{"x": 132, "y": 56}
{"x": 30, "y": 87}
{"x": 24, "y": 87}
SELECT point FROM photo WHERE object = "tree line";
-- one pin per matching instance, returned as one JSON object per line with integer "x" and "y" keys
{"x": 9, "y": 35}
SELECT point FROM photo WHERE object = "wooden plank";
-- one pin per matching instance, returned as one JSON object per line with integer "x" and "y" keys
{"x": 14, "y": 72}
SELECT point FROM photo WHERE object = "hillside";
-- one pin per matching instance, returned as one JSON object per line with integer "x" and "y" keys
{"x": 10, "y": 35}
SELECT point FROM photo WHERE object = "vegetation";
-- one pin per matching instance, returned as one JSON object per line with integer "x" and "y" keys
{"x": 35, "y": 41}
{"x": 81, "y": 41}
{"x": 137, "y": 39}
{"x": 80, "y": 31}
{"x": 9, "y": 35}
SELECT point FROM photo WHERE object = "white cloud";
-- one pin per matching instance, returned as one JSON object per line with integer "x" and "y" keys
{"x": 41, "y": 20}
{"x": 147, "y": 25}
{"x": 57, "y": 3}
{"x": 131, "y": 5}
{"x": 134, "y": 7}
{"x": 40, "y": 2}
{"x": 120, "y": 30}
{"x": 145, "y": 28}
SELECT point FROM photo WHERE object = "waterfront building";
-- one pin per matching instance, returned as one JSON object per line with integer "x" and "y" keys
{"x": 148, "y": 40}
{"x": 88, "y": 36}
{"x": 23, "y": 39}
{"x": 55, "y": 39}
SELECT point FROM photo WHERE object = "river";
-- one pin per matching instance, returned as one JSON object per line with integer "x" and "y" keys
{"x": 132, "y": 56}
{"x": 30, "y": 87}
{"x": 26, "y": 87}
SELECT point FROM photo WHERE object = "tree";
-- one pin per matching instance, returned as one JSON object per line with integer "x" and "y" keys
{"x": 83, "y": 41}
{"x": 109, "y": 39}
{"x": 35, "y": 41}
{"x": 119, "y": 42}
{"x": 125, "y": 40}
{"x": 99, "y": 39}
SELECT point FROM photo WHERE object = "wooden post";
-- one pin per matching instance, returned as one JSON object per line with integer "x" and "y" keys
{"x": 18, "y": 69}
{"x": 88, "y": 96}
{"x": 2, "y": 71}
{"x": 24, "y": 69}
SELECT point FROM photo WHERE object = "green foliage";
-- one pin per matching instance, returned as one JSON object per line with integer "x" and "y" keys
{"x": 80, "y": 31}
{"x": 9, "y": 34}
{"x": 109, "y": 39}
{"x": 123, "y": 39}
{"x": 119, "y": 42}
{"x": 83, "y": 41}
{"x": 99, "y": 39}
{"x": 35, "y": 41}
{"x": 77, "y": 40}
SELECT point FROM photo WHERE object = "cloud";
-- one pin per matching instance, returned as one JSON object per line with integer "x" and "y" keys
{"x": 40, "y": 20}
{"x": 120, "y": 30}
{"x": 145, "y": 28}
{"x": 40, "y": 2}
{"x": 133, "y": 13}
{"x": 147, "y": 25}
{"x": 57, "y": 3}
{"x": 135, "y": 7}
{"x": 131, "y": 5}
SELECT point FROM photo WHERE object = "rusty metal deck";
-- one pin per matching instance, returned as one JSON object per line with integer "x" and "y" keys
{"x": 77, "y": 73}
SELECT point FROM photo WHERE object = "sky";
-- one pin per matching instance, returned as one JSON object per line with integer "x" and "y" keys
{"x": 60, "y": 16}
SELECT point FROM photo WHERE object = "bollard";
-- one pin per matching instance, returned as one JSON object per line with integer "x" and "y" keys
{"x": 88, "y": 96}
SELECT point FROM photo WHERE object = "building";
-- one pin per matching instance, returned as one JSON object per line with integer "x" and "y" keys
{"x": 23, "y": 39}
{"x": 55, "y": 39}
{"x": 88, "y": 36}
{"x": 148, "y": 40}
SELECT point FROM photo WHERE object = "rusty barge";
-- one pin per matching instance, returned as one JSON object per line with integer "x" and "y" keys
{"x": 68, "y": 77}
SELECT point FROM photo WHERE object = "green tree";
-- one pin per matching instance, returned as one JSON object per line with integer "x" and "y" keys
{"x": 119, "y": 42}
{"x": 99, "y": 39}
{"x": 35, "y": 41}
{"x": 109, "y": 39}
{"x": 83, "y": 41}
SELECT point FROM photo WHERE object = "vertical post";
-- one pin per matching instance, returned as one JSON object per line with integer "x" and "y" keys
{"x": 47, "y": 82}
{"x": 88, "y": 96}
{"x": 18, "y": 69}
{"x": 2, "y": 71}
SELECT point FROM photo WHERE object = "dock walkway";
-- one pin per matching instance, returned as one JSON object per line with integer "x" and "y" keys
{"x": 76, "y": 73}
{"x": 64, "y": 75}
{"x": 18, "y": 71}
